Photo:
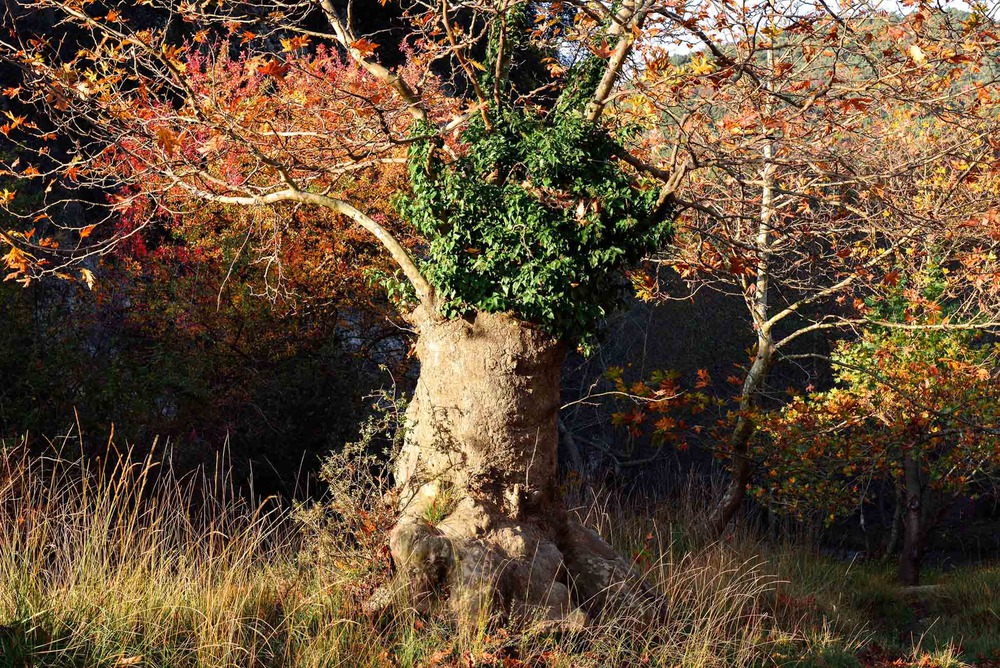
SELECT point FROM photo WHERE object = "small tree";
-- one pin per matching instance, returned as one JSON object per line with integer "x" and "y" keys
{"x": 919, "y": 409}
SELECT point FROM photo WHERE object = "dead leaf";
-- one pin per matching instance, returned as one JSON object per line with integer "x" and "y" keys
{"x": 275, "y": 69}
{"x": 88, "y": 277}
{"x": 125, "y": 661}
{"x": 166, "y": 140}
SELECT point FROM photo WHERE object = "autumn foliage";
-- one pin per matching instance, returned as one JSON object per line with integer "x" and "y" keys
{"x": 931, "y": 397}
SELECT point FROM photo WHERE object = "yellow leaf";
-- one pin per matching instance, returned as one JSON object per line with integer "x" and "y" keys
{"x": 917, "y": 55}
{"x": 88, "y": 277}
{"x": 700, "y": 65}
{"x": 85, "y": 232}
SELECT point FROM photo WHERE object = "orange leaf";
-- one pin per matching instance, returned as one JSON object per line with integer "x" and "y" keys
{"x": 85, "y": 232}
{"x": 275, "y": 69}
{"x": 364, "y": 47}
{"x": 166, "y": 140}
{"x": 602, "y": 51}
{"x": 665, "y": 424}
{"x": 297, "y": 42}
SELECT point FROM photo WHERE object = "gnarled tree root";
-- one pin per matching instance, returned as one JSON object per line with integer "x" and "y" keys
{"x": 549, "y": 576}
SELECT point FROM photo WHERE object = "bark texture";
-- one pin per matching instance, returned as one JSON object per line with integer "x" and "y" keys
{"x": 913, "y": 530}
{"x": 482, "y": 523}
{"x": 742, "y": 467}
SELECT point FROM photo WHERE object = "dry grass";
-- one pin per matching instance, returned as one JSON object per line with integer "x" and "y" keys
{"x": 118, "y": 563}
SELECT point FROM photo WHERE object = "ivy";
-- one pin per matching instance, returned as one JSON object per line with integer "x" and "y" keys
{"x": 536, "y": 217}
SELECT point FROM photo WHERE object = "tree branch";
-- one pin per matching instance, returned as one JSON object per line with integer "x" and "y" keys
{"x": 402, "y": 257}
{"x": 346, "y": 39}
{"x": 628, "y": 17}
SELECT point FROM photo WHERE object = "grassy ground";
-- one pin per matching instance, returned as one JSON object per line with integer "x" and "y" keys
{"x": 120, "y": 565}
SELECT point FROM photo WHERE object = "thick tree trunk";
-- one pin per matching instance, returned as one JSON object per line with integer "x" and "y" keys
{"x": 481, "y": 517}
{"x": 913, "y": 533}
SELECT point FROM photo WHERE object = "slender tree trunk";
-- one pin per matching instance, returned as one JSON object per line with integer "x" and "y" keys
{"x": 913, "y": 533}
{"x": 575, "y": 460}
{"x": 481, "y": 517}
{"x": 756, "y": 295}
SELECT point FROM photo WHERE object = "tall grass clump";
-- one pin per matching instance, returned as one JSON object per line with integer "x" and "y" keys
{"x": 115, "y": 562}
{"x": 120, "y": 562}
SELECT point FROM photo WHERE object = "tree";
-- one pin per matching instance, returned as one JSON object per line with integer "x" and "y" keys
{"x": 834, "y": 153}
{"x": 916, "y": 408}
{"x": 526, "y": 204}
